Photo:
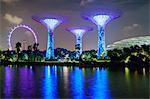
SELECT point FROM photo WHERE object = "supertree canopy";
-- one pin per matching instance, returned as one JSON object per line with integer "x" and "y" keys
{"x": 79, "y": 32}
{"x": 50, "y": 22}
{"x": 101, "y": 18}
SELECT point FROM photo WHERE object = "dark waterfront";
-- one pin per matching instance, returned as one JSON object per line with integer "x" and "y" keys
{"x": 72, "y": 82}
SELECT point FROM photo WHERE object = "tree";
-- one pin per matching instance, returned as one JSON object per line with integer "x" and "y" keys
{"x": 35, "y": 48}
{"x": 29, "y": 52}
{"x": 88, "y": 55}
{"x": 18, "y": 46}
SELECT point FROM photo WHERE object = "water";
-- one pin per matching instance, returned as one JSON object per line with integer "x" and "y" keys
{"x": 52, "y": 82}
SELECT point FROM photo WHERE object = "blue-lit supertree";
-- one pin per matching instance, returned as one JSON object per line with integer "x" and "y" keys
{"x": 100, "y": 18}
{"x": 50, "y": 22}
{"x": 79, "y": 32}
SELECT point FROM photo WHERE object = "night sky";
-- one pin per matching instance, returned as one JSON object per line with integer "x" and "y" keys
{"x": 133, "y": 22}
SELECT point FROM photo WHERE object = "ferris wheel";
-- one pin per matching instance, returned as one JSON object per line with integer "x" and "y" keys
{"x": 20, "y": 26}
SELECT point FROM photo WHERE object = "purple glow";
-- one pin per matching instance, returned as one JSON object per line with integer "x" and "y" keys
{"x": 51, "y": 23}
{"x": 79, "y": 31}
{"x": 9, "y": 74}
{"x": 101, "y": 19}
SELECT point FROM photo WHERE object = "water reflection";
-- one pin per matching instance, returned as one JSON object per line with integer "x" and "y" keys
{"x": 144, "y": 72}
{"x": 50, "y": 83}
{"x": 65, "y": 77}
{"x": 127, "y": 74}
{"x": 26, "y": 82}
{"x": 71, "y": 82}
{"x": 100, "y": 88}
{"x": 77, "y": 84}
{"x": 8, "y": 82}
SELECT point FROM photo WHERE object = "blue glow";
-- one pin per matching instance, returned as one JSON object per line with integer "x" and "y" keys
{"x": 78, "y": 33}
{"x": 51, "y": 23}
{"x": 101, "y": 41}
{"x": 78, "y": 84}
{"x": 100, "y": 89}
{"x": 49, "y": 84}
{"x": 101, "y": 19}
{"x": 50, "y": 45}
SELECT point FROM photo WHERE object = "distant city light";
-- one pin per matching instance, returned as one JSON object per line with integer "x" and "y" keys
{"x": 51, "y": 23}
{"x": 101, "y": 19}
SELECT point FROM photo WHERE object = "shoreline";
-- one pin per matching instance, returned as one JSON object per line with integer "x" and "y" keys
{"x": 57, "y": 63}
{"x": 87, "y": 64}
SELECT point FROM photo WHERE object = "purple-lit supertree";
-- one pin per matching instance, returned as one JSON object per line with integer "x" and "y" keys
{"x": 100, "y": 18}
{"x": 50, "y": 22}
{"x": 79, "y": 32}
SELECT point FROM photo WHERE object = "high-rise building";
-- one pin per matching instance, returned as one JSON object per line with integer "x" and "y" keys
{"x": 24, "y": 45}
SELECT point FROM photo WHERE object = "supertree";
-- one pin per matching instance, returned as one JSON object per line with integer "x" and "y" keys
{"x": 50, "y": 22}
{"x": 101, "y": 17}
{"x": 79, "y": 32}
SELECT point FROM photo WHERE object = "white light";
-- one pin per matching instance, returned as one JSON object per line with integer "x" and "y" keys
{"x": 130, "y": 42}
{"x": 16, "y": 27}
{"x": 78, "y": 32}
{"x": 101, "y": 19}
{"x": 51, "y": 23}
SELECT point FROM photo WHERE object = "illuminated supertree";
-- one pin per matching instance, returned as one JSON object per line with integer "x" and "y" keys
{"x": 50, "y": 22}
{"x": 101, "y": 18}
{"x": 79, "y": 32}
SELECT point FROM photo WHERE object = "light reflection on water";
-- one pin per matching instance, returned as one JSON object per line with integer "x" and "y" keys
{"x": 8, "y": 81}
{"x": 25, "y": 83}
{"x": 77, "y": 84}
{"x": 49, "y": 83}
{"x": 101, "y": 87}
{"x": 65, "y": 77}
{"x": 52, "y": 82}
{"x": 144, "y": 72}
